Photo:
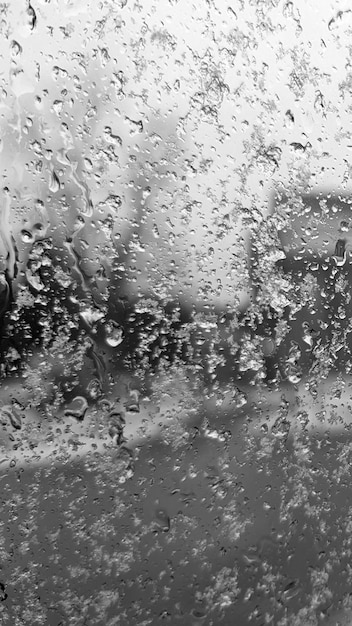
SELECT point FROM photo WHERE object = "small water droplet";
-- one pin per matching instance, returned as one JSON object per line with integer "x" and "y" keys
{"x": 54, "y": 183}
{"x": 163, "y": 520}
{"x": 57, "y": 106}
{"x": 199, "y": 614}
{"x": 3, "y": 594}
{"x": 344, "y": 226}
{"x": 127, "y": 457}
{"x": 291, "y": 590}
{"x": 136, "y": 126}
{"x": 111, "y": 138}
{"x": 27, "y": 236}
{"x": 132, "y": 403}
{"x": 132, "y": 406}
{"x": 32, "y": 18}
{"x": 16, "y": 48}
{"x": 116, "y": 427}
{"x": 88, "y": 164}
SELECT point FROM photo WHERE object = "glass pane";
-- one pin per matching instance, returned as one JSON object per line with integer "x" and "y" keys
{"x": 175, "y": 304}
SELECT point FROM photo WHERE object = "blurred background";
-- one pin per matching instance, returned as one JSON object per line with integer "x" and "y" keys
{"x": 175, "y": 303}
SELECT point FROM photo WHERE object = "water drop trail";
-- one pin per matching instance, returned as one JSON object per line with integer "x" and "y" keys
{"x": 6, "y": 236}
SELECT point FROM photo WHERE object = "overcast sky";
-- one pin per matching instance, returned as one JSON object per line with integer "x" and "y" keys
{"x": 231, "y": 89}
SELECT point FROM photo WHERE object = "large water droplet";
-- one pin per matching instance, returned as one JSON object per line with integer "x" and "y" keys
{"x": 91, "y": 315}
{"x": 114, "y": 334}
{"x": 77, "y": 408}
{"x": 94, "y": 389}
{"x": 239, "y": 398}
{"x": 11, "y": 414}
{"x": 281, "y": 427}
{"x": 132, "y": 403}
{"x": 34, "y": 280}
{"x": 63, "y": 278}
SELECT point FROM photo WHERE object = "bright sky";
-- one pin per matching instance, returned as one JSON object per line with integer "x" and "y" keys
{"x": 251, "y": 63}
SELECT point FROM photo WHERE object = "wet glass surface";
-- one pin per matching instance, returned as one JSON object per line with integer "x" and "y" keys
{"x": 175, "y": 305}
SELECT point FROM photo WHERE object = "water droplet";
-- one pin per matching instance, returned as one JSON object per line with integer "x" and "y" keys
{"x": 114, "y": 334}
{"x": 291, "y": 590}
{"x": 63, "y": 278}
{"x": 3, "y": 594}
{"x": 6, "y": 235}
{"x": 91, "y": 315}
{"x": 112, "y": 202}
{"x": 293, "y": 373}
{"x": 156, "y": 231}
{"x": 104, "y": 56}
{"x": 57, "y": 106}
{"x": 146, "y": 192}
{"x": 82, "y": 185}
{"x": 32, "y": 18}
{"x": 54, "y": 183}
{"x": 27, "y": 236}
{"x": 281, "y": 428}
{"x": 34, "y": 280}
{"x": 94, "y": 389}
{"x": 132, "y": 406}
{"x": 136, "y": 126}
{"x": 10, "y": 414}
{"x": 77, "y": 408}
{"x": 16, "y": 48}
{"x": 199, "y": 614}
{"x": 162, "y": 520}
{"x": 4, "y": 293}
{"x": 88, "y": 164}
{"x": 239, "y": 398}
{"x": 116, "y": 427}
{"x": 344, "y": 226}
{"x": 126, "y": 456}
{"x": 111, "y": 138}
{"x": 15, "y": 419}
{"x": 213, "y": 433}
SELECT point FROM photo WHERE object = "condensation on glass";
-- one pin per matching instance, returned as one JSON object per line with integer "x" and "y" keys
{"x": 175, "y": 310}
